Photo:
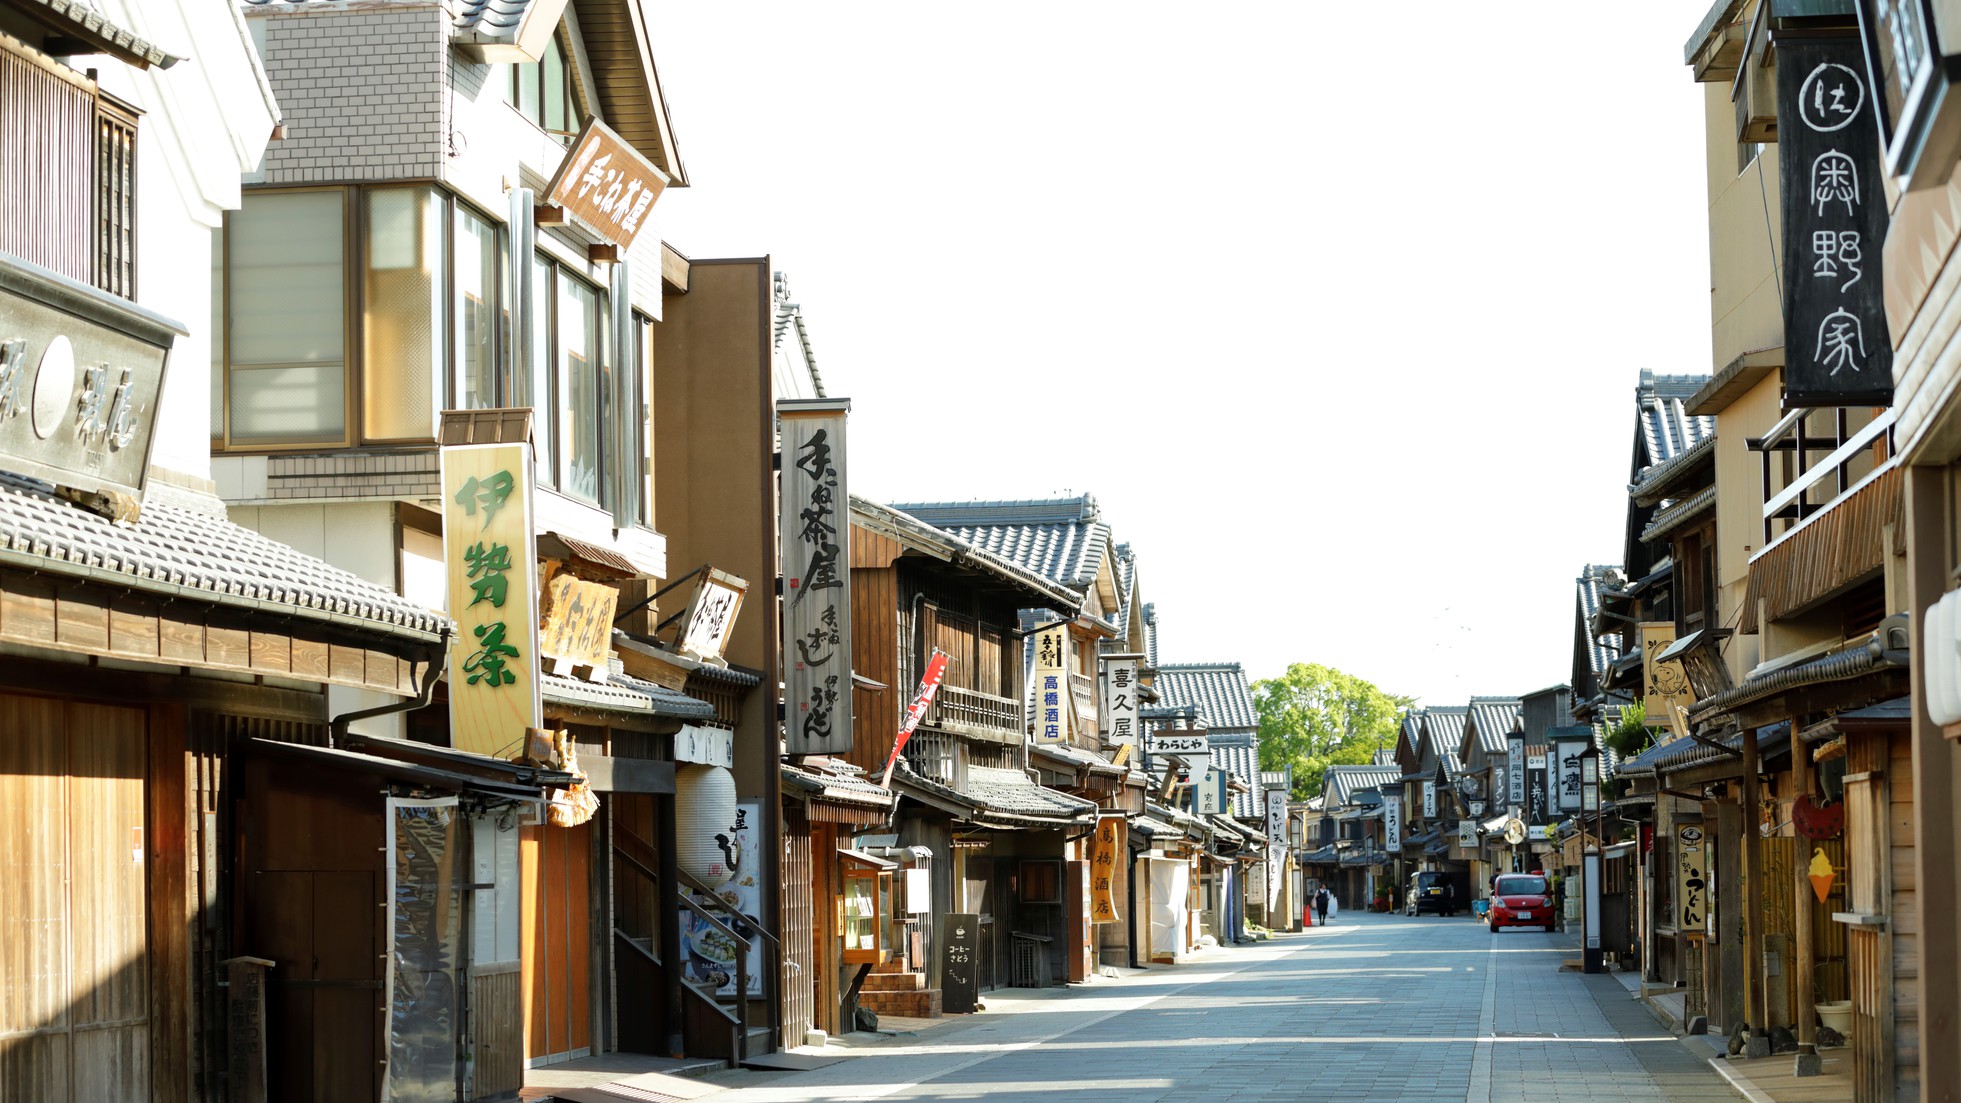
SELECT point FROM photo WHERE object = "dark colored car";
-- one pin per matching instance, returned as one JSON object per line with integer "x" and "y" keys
{"x": 1432, "y": 891}
{"x": 1521, "y": 900}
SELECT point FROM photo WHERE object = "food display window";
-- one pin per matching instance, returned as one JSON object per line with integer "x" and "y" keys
{"x": 867, "y": 922}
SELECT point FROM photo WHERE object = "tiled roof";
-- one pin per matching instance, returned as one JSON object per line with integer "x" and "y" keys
{"x": 1123, "y": 564}
{"x": 1443, "y": 726}
{"x": 1340, "y": 782}
{"x": 1666, "y": 428}
{"x": 1676, "y": 514}
{"x": 82, "y": 20}
{"x": 625, "y": 693}
{"x": 1219, "y": 690}
{"x": 1492, "y": 718}
{"x": 835, "y": 784}
{"x": 1003, "y": 790}
{"x": 1062, "y": 539}
{"x": 180, "y": 552}
{"x": 1593, "y": 578}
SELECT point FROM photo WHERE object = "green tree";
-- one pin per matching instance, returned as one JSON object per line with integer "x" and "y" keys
{"x": 1313, "y": 717}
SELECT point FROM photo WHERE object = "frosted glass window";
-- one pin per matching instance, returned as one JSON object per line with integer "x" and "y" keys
{"x": 579, "y": 351}
{"x": 479, "y": 300}
{"x": 287, "y": 328}
{"x": 402, "y": 321}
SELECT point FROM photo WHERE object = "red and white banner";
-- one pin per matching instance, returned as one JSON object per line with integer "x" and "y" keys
{"x": 928, "y": 686}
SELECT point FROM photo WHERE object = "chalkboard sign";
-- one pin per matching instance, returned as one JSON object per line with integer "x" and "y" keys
{"x": 1836, "y": 348}
{"x": 959, "y": 963}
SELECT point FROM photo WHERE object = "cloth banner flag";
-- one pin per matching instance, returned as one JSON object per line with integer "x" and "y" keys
{"x": 929, "y": 685}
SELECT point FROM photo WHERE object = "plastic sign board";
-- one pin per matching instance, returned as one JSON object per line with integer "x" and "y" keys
{"x": 816, "y": 549}
{"x": 1051, "y": 681}
{"x": 1175, "y": 743}
{"x": 1429, "y": 800}
{"x": 1211, "y": 795}
{"x": 1120, "y": 704}
{"x": 490, "y": 556}
{"x": 1515, "y": 770}
{"x": 1392, "y": 822}
{"x": 1692, "y": 887}
{"x": 1276, "y": 817}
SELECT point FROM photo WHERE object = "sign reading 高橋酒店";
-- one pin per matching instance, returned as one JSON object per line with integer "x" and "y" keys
{"x": 606, "y": 184}
{"x": 1103, "y": 869}
{"x": 80, "y": 372}
{"x": 816, "y": 543}
{"x": 1051, "y": 681}
{"x": 490, "y": 554}
{"x": 1836, "y": 348}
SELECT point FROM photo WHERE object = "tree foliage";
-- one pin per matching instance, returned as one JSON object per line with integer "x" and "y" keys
{"x": 1313, "y": 717}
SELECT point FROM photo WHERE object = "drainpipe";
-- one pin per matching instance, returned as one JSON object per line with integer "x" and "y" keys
{"x": 337, "y": 728}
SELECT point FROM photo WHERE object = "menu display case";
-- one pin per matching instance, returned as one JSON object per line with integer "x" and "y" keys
{"x": 867, "y": 921}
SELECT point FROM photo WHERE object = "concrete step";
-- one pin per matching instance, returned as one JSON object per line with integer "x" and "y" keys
{"x": 894, "y": 982}
{"x": 921, "y": 1004}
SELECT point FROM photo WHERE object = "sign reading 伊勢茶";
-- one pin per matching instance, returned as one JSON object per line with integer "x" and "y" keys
{"x": 490, "y": 555}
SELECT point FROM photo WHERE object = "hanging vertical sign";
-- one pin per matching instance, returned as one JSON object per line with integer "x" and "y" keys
{"x": 1467, "y": 834}
{"x": 1663, "y": 684}
{"x": 1429, "y": 800}
{"x": 1211, "y": 794}
{"x": 1568, "y": 780}
{"x": 1103, "y": 868}
{"x": 1392, "y": 822}
{"x": 1515, "y": 769}
{"x": 816, "y": 541}
{"x": 1691, "y": 879}
{"x": 490, "y": 556}
{"x": 1120, "y": 702}
{"x": 1051, "y": 678}
{"x": 1276, "y": 817}
{"x": 1836, "y": 348}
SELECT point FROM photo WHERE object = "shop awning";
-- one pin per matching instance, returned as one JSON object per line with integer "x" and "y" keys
{"x": 835, "y": 794}
{"x": 407, "y": 773}
{"x": 861, "y": 858}
{"x": 996, "y": 798}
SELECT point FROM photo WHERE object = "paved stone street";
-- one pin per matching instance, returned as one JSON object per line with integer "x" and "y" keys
{"x": 1375, "y": 1007}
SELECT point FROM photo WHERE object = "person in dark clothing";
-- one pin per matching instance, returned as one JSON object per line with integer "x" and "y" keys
{"x": 1450, "y": 898}
{"x": 1321, "y": 906}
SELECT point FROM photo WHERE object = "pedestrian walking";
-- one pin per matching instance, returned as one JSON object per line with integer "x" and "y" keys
{"x": 1321, "y": 900}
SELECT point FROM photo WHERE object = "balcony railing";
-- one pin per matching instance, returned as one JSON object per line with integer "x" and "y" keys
{"x": 1819, "y": 484}
{"x": 976, "y": 714}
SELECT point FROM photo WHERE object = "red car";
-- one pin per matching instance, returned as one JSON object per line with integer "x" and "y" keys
{"x": 1521, "y": 900}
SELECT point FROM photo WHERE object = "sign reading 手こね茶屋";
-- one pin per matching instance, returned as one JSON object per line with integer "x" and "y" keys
{"x": 816, "y": 577}
{"x": 1836, "y": 348}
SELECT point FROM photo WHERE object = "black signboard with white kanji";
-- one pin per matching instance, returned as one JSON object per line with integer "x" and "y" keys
{"x": 959, "y": 962}
{"x": 1836, "y": 348}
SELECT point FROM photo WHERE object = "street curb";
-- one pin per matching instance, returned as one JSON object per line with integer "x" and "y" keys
{"x": 1742, "y": 1087}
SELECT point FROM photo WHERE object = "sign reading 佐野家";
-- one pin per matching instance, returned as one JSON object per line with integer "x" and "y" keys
{"x": 1103, "y": 867}
{"x": 492, "y": 563}
{"x": 606, "y": 184}
{"x": 1836, "y": 348}
{"x": 1051, "y": 678}
{"x": 816, "y": 543}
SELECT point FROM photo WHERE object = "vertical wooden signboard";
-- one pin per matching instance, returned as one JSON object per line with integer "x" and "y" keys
{"x": 1103, "y": 869}
{"x": 1051, "y": 678}
{"x": 1836, "y": 348}
{"x": 490, "y": 554}
{"x": 816, "y": 536}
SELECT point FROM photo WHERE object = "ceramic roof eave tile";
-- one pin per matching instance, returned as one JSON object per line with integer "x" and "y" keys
{"x": 1679, "y": 514}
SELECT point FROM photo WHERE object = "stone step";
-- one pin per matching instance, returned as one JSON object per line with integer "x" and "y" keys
{"x": 921, "y": 1004}
{"x": 894, "y": 982}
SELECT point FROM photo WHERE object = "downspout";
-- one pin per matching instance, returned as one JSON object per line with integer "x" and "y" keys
{"x": 337, "y": 727}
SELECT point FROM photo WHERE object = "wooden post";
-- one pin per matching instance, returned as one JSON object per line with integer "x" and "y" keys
{"x": 1756, "y": 1002}
{"x": 1807, "y": 1062}
{"x": 1936, "y": 791}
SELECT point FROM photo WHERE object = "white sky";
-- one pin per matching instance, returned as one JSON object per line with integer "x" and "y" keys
{"x": 1337, "y": 308}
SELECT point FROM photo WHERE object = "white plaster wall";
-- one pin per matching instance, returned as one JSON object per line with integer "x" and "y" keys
{"x": 206, "y": 120}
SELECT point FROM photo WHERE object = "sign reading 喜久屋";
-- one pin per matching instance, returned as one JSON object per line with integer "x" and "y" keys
{"x": 1837, "y": 351}
{"x": 1120, "y": 704}
{"x": 816, "y": 543}
{"x": 490, "y": 554}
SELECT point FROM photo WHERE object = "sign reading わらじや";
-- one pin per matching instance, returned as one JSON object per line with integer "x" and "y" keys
{"x": 1051, "y": 678}
{"x": 1837, "y": 351}
{"x": 816, "y": 577}
{"x": 492, "y": 564}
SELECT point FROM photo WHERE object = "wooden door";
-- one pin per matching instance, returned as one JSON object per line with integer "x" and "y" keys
{"x": 1868, "y": 860}
{"x": 74, "y": 954}
{"x": 556, "y": 932}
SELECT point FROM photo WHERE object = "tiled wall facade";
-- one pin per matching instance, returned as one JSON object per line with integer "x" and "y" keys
{"x": 361, "y": 88}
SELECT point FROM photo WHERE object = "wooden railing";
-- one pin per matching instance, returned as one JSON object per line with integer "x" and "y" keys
{"x": 1825, "y": 481}
{"x": 971, "y": 712}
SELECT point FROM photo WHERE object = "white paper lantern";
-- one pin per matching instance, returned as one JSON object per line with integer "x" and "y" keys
{"x": 704, "y": 820}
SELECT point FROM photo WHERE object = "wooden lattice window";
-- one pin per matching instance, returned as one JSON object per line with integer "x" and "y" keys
{"x": 115, "y": 197}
